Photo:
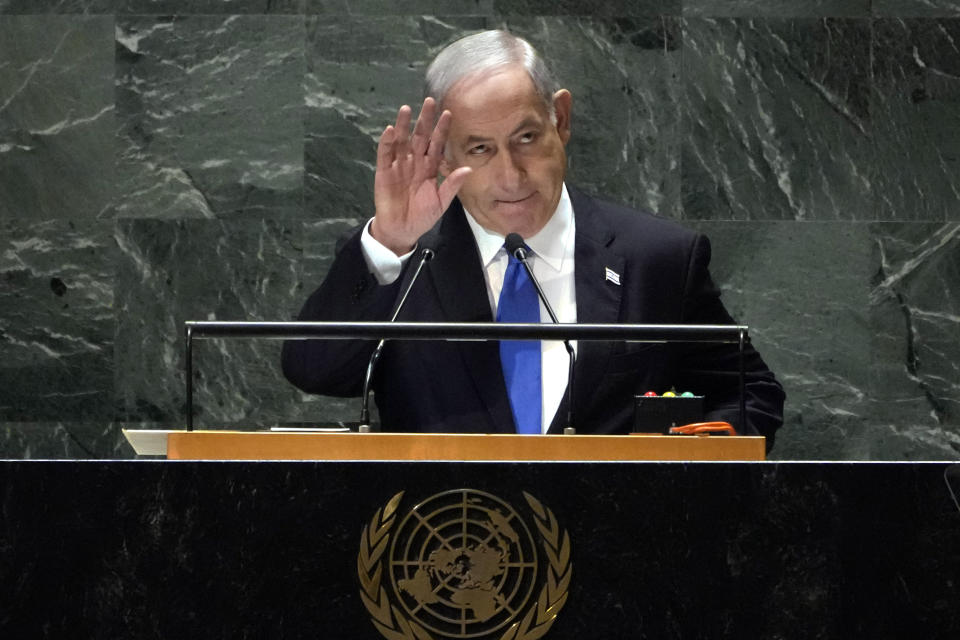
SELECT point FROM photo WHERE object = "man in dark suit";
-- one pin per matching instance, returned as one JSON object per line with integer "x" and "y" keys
{"x": 499, "y": 144}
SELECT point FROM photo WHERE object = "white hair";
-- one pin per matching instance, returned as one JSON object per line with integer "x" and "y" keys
{"x": 485, "y": 52}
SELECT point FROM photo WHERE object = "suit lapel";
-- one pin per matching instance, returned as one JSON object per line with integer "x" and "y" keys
{"x": 460, "y": 285}
{"x": 456, "y": 271}
{"x": 598, "y": 297}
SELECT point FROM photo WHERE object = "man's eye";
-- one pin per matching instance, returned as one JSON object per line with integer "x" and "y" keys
{"x": 528, "y": 137}
{"x": 478, "y": 150}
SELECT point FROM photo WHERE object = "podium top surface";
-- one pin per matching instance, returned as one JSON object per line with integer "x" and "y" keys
{"x": 265, "y": 445}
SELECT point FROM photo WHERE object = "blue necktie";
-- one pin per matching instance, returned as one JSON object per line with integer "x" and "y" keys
{"x": 520, "y": 359}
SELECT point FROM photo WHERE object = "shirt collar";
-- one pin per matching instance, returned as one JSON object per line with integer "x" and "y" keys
{"x": 548, "y": 244}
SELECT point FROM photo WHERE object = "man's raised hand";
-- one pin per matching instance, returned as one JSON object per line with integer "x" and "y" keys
{"x": 407, "y": 198}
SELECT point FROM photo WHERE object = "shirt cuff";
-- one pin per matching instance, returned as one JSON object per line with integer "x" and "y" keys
{"x": 383, "y": 263}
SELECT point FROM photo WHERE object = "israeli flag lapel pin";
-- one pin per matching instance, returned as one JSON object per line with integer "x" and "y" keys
{"x": 612, "y": 276}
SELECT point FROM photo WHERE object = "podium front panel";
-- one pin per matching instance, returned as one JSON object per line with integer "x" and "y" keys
{"x": 148, "y": 549}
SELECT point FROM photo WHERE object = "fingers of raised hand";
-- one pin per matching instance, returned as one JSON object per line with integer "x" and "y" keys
{"x": 438, "y": 139}
{"x": 451, "y": 185}
{"x": 386, "y": 148}
{"x": 421, "y": 132}
{"x": 402, "y": 127}
{"x": 433, "y": 152}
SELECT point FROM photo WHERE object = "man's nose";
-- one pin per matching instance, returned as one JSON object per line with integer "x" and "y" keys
{"x": 510, "y": 171}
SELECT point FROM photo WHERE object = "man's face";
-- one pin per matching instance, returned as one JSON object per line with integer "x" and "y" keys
{"x": 502, "y": 130}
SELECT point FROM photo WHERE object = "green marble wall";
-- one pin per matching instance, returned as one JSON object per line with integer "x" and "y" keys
{"x": 168, "y": 160}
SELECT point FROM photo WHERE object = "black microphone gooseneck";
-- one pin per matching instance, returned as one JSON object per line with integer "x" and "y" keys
{"x": 426, "y": 255}
{"x": 514, "y": 245}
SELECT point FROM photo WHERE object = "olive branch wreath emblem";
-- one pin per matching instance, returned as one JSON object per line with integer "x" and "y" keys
{"x": 393, "y": 625}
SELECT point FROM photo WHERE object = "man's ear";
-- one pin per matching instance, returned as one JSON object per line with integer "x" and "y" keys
{"x": 562, "y": 104}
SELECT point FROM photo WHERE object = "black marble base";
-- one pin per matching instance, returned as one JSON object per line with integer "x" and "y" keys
{"x": 155, "y": 549}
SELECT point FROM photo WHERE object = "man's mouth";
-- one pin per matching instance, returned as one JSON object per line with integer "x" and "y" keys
{"x": 515, "y": 200}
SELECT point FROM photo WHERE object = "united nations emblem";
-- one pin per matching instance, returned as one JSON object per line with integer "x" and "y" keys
{"x": 463, "y": 564}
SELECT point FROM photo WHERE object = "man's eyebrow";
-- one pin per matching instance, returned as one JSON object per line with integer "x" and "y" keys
{"x": 472, "y": 139}
{"x": 527, "y": 123}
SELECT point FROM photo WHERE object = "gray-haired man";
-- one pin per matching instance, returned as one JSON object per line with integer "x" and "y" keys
{"x": 499, "y": 146}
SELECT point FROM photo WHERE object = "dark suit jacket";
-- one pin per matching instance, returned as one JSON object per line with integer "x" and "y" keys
{"x": 458, "y": 386}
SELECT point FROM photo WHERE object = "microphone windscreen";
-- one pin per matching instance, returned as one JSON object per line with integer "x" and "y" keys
{"x": 512, "y": 242}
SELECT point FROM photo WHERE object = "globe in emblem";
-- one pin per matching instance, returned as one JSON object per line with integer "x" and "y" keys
{"x": 463, "y": 563}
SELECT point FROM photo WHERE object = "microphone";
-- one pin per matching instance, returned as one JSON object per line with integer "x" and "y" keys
{"x": 426, "y": 255}
{"x": 514, "y": 245}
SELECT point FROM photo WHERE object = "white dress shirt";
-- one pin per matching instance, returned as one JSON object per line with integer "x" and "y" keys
{"x": 552, "y": 251}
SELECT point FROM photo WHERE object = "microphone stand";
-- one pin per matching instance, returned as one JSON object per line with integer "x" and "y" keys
{"x": 426, "y": 256}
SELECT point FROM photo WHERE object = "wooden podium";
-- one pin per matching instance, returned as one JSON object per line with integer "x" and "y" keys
{"x": 266, "y": 445}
